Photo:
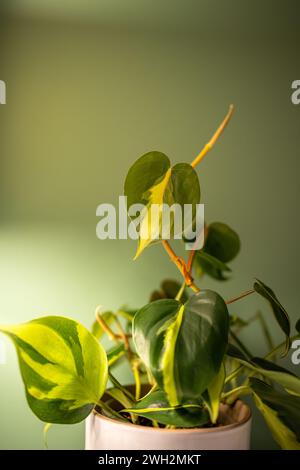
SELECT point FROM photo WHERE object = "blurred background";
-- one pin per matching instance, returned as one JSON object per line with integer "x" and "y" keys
{"x": 91, "y": 86}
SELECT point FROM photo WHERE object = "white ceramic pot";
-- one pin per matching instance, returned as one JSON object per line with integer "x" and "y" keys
{"x": 103, "y": 433}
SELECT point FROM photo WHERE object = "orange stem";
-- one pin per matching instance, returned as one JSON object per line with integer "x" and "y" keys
{"x": 214, "y": 138}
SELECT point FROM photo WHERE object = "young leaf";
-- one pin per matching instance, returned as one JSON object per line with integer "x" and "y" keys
{"x": 281, "y": 412}
{"x": 210, "y": 265}
{"x": 155, "y": 406}
{"x": 183, "y": 345}
{"x": 151, "y": 180}
{"x": 222, "y": 244}
{"x": 64, "y": 368}
{"x": 278, "y": 310}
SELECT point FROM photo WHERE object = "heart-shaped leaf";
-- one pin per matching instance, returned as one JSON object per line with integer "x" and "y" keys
{"x": 281, "y": 412}
{"x": 64, "y": 368}
{"x": 278, "y": 310}
{"x": 222, "y": 244}
{"x": 155, "y": 406}
{"x": 152, "y": 181}
{"x": 183, "y": 345}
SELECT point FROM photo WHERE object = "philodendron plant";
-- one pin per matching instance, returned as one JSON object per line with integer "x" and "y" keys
{"x": 183, "y": 346}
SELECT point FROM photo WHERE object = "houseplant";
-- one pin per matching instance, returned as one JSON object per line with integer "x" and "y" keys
{"x": 189, "y": 366}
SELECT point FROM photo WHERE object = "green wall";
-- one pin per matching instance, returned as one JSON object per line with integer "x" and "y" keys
{"x": 84, "y": 100}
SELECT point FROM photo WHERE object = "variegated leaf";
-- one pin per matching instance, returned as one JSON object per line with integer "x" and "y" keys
{"x": 152, "y": 181}
{"x": 64, "y": 368}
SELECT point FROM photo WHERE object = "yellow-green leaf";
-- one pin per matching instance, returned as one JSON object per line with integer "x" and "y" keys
{"x": 64, "y": 368}
{"x": 152, "y": 182}
{"x": 213, "y": 394}
{"x": 281, "y": 412}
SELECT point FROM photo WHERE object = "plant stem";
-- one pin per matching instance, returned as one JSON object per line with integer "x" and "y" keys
{"x": 241, "y": 345}
{"x": 180, "y": 292}
{"x": 191, "y": 260}
{"x": 241, "y": 296}
{"x": 258, "y": 316}
{"x": 233, "y": 374}
{"x": 214, "y": 138}
{"x": 230, "y": 397}
{"x": 181, "y": 265}
{"x": 111, "y": 334}
{"x": 137, "y": 379}
{"x": 105, "y": 407}
{"x": 117, "y": 384}
{"x": 123, "y": 336}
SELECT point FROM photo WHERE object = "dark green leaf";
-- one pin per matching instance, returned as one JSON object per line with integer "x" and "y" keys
{"x": 183, "y": 345}
{"x": 222, "y": 242}
{"x": 278, "y": 310}
{"x": 169, "y": 289}
{"x": 235, "y": 352}
{"x": 281, "y": 412}
{"x": 155, "y": 406}
{"x": 206, "y": 263}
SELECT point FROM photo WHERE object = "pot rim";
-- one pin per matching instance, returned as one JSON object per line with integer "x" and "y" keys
{"x": 226, "y": 427}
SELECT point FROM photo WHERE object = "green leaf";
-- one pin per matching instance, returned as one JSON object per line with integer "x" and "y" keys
{"x": 155, "y": 406}
{"x": 151, "y": 180}
{"x": 168, "y": 290}
{"x": 97, "y": 329}
{"x": 212, "y": 395}
{"x": 64, "y": 368}
{"x": 183, "y": 345}
{"x": 281, "y": 412}
{"x": 268, "y": 369}
{"x": 210, "y": 265}
{"x": 115, "y": 353}
{"x": 222, "y": 242}
{"x": 278, "y": 310}
{"x": 120, "y": 396}
{"x": 298, "y": 326}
